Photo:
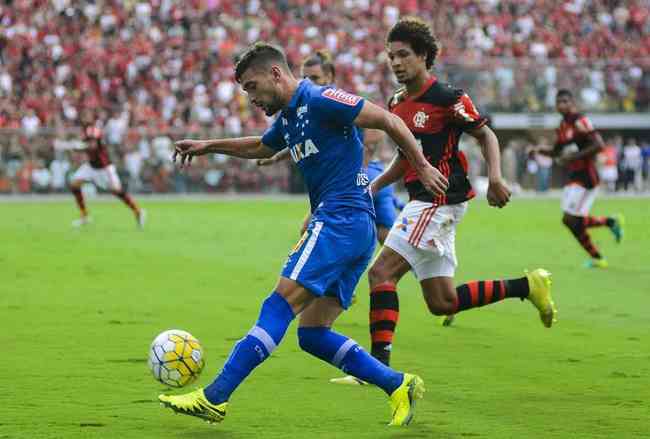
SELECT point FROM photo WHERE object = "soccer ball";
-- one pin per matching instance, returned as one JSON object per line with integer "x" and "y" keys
{"x": 569, "y": 149}
{"x": 175, "y": 358}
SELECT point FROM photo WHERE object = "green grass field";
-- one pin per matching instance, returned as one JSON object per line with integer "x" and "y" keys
{"x": 79, "y": 309}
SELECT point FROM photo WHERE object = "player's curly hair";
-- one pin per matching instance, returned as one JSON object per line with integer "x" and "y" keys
{"x": 323, "y": 59}
{"x": 257, "y": 55}
{"x": 564, "y": 92}
{"x": 417, "y": 34}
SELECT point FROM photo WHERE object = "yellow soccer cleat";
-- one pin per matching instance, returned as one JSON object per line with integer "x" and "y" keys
{"x": 597, "y": 263}
{"x": 403, "y": 399}
{"x": 447, "y": 320}
{"x": 539, "y": 283}
{"x": 349, "y": 380}
{"x": 195, "y": 404}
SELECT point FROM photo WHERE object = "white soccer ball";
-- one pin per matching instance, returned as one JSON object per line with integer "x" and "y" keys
{"x": 175, "y": 358}
{"x": 569, "y": 149}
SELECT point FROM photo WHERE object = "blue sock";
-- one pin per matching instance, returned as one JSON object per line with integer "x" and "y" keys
{"x": 253, "y": 349}
{"x": 348, "y": 356}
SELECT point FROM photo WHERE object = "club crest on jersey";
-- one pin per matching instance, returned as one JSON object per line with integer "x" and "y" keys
{"x": 300, "y": 151}
{"x": 341, "y": 96}
{"x": 301, "y": 110}
{"x": 420, "y": 119}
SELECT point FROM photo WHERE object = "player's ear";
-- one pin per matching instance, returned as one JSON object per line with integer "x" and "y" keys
{"x": 276, "y": 73}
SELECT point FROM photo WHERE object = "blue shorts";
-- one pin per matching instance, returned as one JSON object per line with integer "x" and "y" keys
{"x": 333, "y": 253}
{"x": 385, "y": 212}
{"x": 384, "y": 200}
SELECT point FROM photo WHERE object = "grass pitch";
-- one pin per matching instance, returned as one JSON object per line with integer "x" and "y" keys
{"x": 79, "y": 309}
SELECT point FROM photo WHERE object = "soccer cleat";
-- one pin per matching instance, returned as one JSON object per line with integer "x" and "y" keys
{"x": 403, "y": 399}
{"x": 597, "y": 263}
{"x": 447, "y": 320}
{"x": 141, "y": 218}
{"x": 349, "y": 380}
{"x": 539, "y": 284}
{"x": 195, "y": 404}
{"x": 617, "y": 227}
{"x": 83, "y": 221}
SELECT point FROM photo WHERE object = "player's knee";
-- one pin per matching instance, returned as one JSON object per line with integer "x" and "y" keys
{"x": 378, "y": 273}
{"x": 567, "y": 221}
{"x": 440, "y": 307}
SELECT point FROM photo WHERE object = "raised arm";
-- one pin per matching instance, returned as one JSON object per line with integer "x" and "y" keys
{"x": 373, "y": 116}
{"x": 498, "y": 193}
{"x": 243, "y": 147}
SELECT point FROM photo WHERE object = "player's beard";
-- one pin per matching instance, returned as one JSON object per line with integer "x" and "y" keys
{"x": 273, "y": 107}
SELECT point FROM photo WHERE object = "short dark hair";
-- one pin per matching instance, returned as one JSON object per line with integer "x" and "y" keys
{"x": 417, "y": 34}
{"x": 564, "y": 92}
{"x": 323, "y": 59}
{"x": 260, "y": 53}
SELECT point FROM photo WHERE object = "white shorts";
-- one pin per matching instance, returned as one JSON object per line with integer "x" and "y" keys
{"x": 425, "y": 235}
{"x": 577, "y": 200}
{"x": 106, "y": 178}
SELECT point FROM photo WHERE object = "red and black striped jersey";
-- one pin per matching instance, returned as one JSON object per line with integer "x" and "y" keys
{"x": 437, "y": 116}
{"x": 97, "y": 152}
{"x": 577, "y": 128}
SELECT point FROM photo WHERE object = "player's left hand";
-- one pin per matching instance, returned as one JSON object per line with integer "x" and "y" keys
{"x": 498, "y": 194}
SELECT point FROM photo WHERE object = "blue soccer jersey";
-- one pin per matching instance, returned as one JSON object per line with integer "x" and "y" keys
{"x": 317, "y": 127}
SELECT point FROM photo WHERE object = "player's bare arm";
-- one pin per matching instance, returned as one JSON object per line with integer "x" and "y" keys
{"x": 498, "y": 193}
{"x": 243, "y": 147}
{"x": 373, "y": 116}
{"x": 394, "y": 172}
{"x": 597, "y": 145}
{"x": 281, "y": 156}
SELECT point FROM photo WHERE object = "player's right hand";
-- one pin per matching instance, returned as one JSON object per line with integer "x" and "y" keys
{"x": 186, "y": 149}
{"x": 433, "y": 180}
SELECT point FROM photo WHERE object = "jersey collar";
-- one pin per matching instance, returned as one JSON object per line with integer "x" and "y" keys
{"x": 432, "y": 80}
{"x": 295, "y": 99}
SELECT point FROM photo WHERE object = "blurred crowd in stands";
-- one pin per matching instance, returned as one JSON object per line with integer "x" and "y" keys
{"x": 159, "y": 70}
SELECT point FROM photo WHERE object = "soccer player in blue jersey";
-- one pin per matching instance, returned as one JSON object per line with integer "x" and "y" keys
{"x": 320, "y": 274}
{"x": 320, "y": 70}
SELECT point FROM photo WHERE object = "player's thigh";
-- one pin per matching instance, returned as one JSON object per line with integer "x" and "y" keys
{"x": 107, "y": 179}
{"x": 329, "y": 247}
{"x": 296, "y": 295}
{"x": 382, "y": 233}
{"x": 438, "y": 292}
{"x": 322, "y": 311}
{"x": 343, "y": 288}
{"x": 577, "y": 200}
{"x": 82, "y": 175}
{"x": 389, "y": 266}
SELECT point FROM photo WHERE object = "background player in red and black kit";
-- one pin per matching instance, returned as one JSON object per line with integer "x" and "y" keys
{"x": 576, "y": 147}
{"x": 422, "y": 238}
{"x": 101, "y": 172}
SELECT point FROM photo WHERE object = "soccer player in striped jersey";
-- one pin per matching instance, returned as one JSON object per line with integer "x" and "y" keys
{"x": 100, "y": 171}
{"x": 576, "y": 147}
{"x": 422, "y": 240}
